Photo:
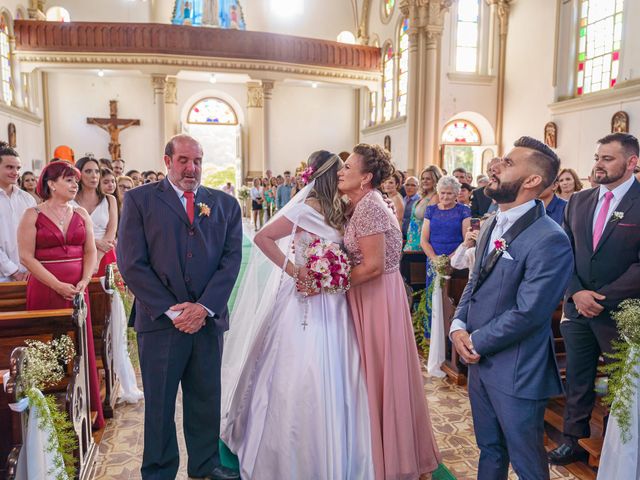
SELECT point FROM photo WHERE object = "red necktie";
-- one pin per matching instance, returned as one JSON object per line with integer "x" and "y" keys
{"x": 190, "y": 205}
{"x": 602, "y": 219}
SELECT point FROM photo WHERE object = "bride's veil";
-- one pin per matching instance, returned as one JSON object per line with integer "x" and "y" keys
{"x": 251, "y": 315}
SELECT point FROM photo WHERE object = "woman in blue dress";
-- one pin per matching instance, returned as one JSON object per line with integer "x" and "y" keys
{"x": 443, "y": 229}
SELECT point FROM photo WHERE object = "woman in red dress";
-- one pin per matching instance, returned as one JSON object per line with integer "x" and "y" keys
{"x": 56, "y": 245}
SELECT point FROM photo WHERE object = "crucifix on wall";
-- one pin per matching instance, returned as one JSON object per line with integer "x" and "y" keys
{"x": 113, "y": 126}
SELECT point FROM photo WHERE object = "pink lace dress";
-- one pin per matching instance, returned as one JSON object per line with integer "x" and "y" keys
{"x": 403, "y": 444}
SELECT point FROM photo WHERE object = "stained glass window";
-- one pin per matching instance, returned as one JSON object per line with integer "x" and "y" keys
{"x": 212, "y": 111}
{"x": 467, "y": 35}
{"x": 387, "y": 83}
{"x": 461, "y": 132}
{"x": 388, "y": 6}
{"x": 373, "y": 108}
{"x": 599, "y": 43}
{"x": 5, "y": 62}
{"x": 403, "y": 68}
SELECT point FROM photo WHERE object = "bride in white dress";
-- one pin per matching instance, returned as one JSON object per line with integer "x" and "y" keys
{"x": 294, "y": 403}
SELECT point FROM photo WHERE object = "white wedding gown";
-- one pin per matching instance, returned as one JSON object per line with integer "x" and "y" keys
{"x": 301, "y": 409}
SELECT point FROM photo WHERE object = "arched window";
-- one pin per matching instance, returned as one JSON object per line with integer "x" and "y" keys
{"x": 5, "y": 62}
{"x": 212, "y": 111}
{"x": 599, "y": 43}
{"x": 373, "y": 108}
{"x": 58, "y": 14}
{"x": 460, "y": 132}
{"x": 347, "y": 37}
{"x": 461, "y": 147}
{"x": 387, "y": 82}
{"x": 387, "y": 7}
{"x": 403, "y": 67}
{"x": 467, "y": 36}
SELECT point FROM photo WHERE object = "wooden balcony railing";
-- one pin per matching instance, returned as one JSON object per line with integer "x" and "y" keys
{"x": 161, "y": 39}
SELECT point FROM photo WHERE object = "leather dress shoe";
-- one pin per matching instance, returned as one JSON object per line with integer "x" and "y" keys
{"x": 566, "y": 453}
{"x": 223, "y": 473}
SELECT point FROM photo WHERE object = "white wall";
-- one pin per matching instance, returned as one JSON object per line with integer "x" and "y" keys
{"x": 305, "y": 119}
{"x": 530, "y": 82}
{"x": 399, "y": 143}
{"x": 29, "y": 139}
{"x": 76, "y": 96}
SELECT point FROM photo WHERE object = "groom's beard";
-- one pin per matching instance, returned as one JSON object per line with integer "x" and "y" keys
{"x": 505, "y": 192}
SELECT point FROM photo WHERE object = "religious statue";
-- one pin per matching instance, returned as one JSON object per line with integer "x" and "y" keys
{"x": 187, "y": 13}
{"x": 12, "y": 135}
{"x": 210, "y": 13}
{"x": 387, "y": 142}
{"x": 113, "y": 126}
{"x": 551, "y": 135}
{"x": 620, "y": 122}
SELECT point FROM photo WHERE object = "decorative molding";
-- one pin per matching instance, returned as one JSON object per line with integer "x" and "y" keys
{"x": 159, "y": 83}
{"x": 180, "y": 61}
{"x": 161, "y": 39}
{"x": 623, "y": 91}
{"x": 171, "y": 91}
{"x": 471, "y": 78}
{"x": 15, "y": 112}
{"x": 267, "y": 89}
{"x": 255, "y": 96}
{"x": 383, "y": 127}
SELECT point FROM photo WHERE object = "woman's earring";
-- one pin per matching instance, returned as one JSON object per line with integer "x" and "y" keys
{"x": 53, "y": 189}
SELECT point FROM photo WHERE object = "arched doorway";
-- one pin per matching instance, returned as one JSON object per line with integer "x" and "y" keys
{"x": 462, "y": 147}
{"x": 214, "y": 123}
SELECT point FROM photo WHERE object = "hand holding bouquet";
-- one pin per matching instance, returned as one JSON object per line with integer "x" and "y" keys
{"x": 328, "y": 268}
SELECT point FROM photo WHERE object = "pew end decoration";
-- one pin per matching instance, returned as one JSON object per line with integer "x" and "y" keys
{"x": 624, "y": 370}
{"x": 43, "y": 366}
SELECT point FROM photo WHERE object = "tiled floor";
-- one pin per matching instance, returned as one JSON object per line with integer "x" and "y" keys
{"x": 120, "y": 451}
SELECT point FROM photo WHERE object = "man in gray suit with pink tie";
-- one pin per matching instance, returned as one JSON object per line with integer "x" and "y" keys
{"x": 179, "y": 251}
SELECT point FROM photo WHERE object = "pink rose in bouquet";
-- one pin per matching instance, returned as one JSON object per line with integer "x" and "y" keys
{"x": 329, "y": 267}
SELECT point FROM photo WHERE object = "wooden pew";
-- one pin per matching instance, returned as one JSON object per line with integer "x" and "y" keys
{"x": 12, "y": 424}
{"x": 13, "y": 298}
{"x": 73, "y": 391}
{"x": 451, "y": 294}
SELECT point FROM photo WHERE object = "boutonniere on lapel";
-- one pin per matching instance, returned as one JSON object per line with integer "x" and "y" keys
{"x": 205, "y": 210}
{"x": 616, "y": 216}
{"x": 500, "y": 245}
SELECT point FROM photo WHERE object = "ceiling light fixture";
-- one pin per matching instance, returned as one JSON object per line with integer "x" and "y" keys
{"x": 101, "y": 73}
{"x": 314, "y": 84}
{"x": 212, "y": 78}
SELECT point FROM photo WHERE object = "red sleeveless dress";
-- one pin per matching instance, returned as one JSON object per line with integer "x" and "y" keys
{"x": 63, "y": 257}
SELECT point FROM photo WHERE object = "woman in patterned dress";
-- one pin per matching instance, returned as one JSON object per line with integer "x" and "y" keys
{"x": 402, "y": 443}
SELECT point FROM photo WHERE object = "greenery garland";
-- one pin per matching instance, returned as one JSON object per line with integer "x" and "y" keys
{"x": 623, "y": 369}
{"x": 44, "y": 367}
{"x": 418, "y": 317}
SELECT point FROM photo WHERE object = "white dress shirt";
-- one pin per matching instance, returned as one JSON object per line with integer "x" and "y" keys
{"x": 618, "y": 192}
{"x": 504, "y": 221}
{"x": 171, "y": 313}
{"x": 12, "y": 207}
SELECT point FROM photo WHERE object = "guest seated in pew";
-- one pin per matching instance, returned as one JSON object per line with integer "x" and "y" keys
{"x": 13, "y": 203}
{"x": 56, "y": 245}
{"x": 103, "y": 209}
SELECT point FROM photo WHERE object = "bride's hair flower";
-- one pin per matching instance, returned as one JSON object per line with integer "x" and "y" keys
{"x": 307, "y": 174}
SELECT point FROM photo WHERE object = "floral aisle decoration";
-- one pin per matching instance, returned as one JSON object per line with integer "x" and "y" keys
{"x": 44, "y": 367}
{"x": 127, "y": 300}
{"x": 244, "y": 193}
{"x": 623, "y": 370}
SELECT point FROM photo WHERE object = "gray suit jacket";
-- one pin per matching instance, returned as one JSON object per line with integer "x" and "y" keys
{"x": 509, "y": 313}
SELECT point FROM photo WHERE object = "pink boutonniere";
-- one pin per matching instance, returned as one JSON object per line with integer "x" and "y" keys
{"x": 205, "y": 210}
{"x": 500, "y": 245}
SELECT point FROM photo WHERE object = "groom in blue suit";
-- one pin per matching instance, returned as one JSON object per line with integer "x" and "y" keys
{"x": 502, "y": 327}
{"x": 179, "y": 251}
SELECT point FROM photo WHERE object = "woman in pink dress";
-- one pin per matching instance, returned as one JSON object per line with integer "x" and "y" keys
{"x": 403, "y": 444}
{"x": 56, "y": 245}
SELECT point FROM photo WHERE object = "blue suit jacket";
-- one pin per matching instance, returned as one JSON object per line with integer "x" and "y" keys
{"x": 165, "y": 260}
{"x": 509, "y": 314}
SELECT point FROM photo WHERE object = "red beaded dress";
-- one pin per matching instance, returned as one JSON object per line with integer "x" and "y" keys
{"x": 63, "y": 257}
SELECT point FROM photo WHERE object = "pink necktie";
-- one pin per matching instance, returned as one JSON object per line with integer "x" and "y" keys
{"x": 190, "y": 205}
{"x": 602, "y": 219}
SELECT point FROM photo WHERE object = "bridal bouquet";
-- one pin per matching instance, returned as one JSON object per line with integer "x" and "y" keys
{"x": 328, "y": 266}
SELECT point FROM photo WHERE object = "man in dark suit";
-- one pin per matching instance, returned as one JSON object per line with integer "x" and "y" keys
{"x": 179, "y": 250}
{"x": 480, "y": 202}
{"x": 501, "y": 327}
{"x": 603, "y": 224}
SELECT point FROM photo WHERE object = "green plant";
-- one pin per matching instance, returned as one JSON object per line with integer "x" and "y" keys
{"x": 418, "y": 317}
{"x": 623, "y": 368}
